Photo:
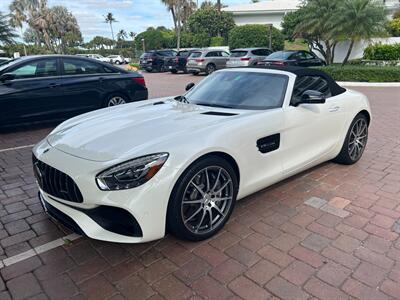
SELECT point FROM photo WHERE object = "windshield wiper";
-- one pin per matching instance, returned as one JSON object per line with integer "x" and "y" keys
{"x": 182, "y": 99}
{"x": 215, "y": 105}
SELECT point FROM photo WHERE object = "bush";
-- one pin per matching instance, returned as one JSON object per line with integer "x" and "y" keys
{"x": 363, "y": 73}
{"x": 382, "y": 52}
{"x": 394, "y": 27}
{"x": 217, "y": 41}
{"x": 255, "y": 36}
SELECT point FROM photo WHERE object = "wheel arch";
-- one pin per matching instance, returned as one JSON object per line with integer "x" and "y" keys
{"x": 366, "y": 114}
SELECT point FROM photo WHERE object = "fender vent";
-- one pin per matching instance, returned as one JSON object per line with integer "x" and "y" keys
{"x": 218, "y": 113}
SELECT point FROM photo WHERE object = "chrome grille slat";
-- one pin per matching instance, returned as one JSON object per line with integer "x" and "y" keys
{"x": 56, "y": 183}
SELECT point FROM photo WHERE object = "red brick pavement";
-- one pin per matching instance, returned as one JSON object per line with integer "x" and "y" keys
{"x": 273, "y": 247}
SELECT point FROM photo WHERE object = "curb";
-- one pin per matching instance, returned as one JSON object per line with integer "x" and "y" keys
{"x": 369, "y": 84}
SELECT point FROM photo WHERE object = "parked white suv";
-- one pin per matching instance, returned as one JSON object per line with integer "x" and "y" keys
{"x": 116, "y": 59}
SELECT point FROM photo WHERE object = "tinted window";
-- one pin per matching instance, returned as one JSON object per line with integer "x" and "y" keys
{"x": 241, "y": 90}
{"x": 78, "y": 67}
{"x": 166, "y": 53}
{"x": 298, "y": 55}
{"x": 308, "y": 55}
{"x": 224, "y": 54}
{"x": 305, "y": 83}
{"x": 238, "y": 53}
{"x": 261, "y": 52}
{"x": 213, "y": 54}
{"x": 195, "y": 54}
{"x": 280, "y": 55}
{"x": 41, "y": 68}
{"x": 183, "y": 54}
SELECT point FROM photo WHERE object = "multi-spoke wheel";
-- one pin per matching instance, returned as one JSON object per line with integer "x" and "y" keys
{"x": 355, "y": 141}
{"x": 203, "y": 199}
{"x": 115, "y": 100}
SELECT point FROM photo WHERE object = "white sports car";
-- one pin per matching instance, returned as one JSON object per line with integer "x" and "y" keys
{"x": 131, "y": 173}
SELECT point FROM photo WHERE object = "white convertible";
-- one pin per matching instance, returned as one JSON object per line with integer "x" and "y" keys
{"x": 131, "y": 173}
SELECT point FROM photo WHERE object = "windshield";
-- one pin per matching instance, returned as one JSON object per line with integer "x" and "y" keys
{"x": 6, "y": 64}
{"x": 240, "y": 90}
{"x": 238, "y": 53}
{"x": 280, "y": 55}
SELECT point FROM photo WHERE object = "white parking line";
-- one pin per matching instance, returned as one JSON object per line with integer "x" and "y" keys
{"x": 38, "y": 250}
{"x": 16, "y": 148}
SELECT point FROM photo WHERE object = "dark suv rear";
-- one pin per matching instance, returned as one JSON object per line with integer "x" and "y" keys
{"x": 155, "y": 60}
{"x": 178, "y": 63}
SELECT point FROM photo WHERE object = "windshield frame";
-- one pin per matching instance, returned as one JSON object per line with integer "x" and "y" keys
{"x": 278, "y": 74}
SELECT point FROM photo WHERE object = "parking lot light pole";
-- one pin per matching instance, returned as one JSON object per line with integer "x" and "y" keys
{"x": 144, "y": 45}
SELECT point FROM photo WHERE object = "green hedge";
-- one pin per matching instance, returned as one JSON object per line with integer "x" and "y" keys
{"x": 255, "y": 36}
{"x": 363, "y": 73}
{"x": 382, "y": 52}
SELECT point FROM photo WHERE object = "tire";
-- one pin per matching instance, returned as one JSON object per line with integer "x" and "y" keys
{"x": 191, "y": 221}
{"x": 115, "y": 99}
{"x": 117, "y": 62}
{"x": 210, "y": 68}
{"x": 174, "y": 71}
{"x": 185, "y": 71}
{"x": 355, "y": 141}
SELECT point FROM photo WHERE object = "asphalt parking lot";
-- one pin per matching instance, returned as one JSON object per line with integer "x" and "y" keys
{"x": 279, "y": 244}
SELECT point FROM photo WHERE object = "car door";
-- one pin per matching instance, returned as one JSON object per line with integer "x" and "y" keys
{"x": 311, "y": 131}
{"x": 84, "y": 85}
{"x": 34, "y": 93}
{"x": 223, "y": 57}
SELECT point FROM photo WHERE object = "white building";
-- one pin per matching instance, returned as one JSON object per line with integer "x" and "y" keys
{"x": 273, "y": 11}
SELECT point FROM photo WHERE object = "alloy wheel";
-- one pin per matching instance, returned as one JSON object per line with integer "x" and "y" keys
{"x": 207, "y": 200}
{"x": 358, "y": 139}
{"x": 117, "y": 100}
{"x": 210, "y": 69}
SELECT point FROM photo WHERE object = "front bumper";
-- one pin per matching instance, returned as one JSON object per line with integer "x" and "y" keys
{"x": 146, "y": 205}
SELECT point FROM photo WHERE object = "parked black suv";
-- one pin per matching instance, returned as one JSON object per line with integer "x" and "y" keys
{"x": 155, "y": 60}
{"x": 178, "y": 63}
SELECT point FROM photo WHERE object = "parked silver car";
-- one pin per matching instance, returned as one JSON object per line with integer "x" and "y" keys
{"x": 206, "y": 61}
{"x": 247, "y": 57}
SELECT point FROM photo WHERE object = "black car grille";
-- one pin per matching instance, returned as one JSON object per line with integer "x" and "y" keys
{"x": 55, "y": 182}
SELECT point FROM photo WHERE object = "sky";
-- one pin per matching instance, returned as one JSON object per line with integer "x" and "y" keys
{"x": 132, "y": 15}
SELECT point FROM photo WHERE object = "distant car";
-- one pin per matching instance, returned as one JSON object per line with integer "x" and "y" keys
{"x": 207, "y": 61}
{"x": 116, "y": 59}
{"x": 99, "y": 57}
{"x": 299, "y": 58}
{"x": 156, "y": 60}
{"x": 55, "y": 87}
{"x": 178, "y": 63}
{"x": 247, "y": 57}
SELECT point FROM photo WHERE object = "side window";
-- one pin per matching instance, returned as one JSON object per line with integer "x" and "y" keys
{"x": 305, "y": 83}
{"x": 308, "y": 55}
{"x": 40, "y": 68}
{"x": 224, "y": 54}
{"x": 213, "y": 54}
{"x": 298, "y": 55}
{"x": 81, "y": 67}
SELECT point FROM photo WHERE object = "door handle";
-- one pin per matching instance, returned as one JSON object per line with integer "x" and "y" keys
{"x": 334, "y": 108}
{"x": 53, "y": 85}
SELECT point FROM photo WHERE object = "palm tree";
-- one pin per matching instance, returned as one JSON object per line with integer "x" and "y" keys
{"x": 361, "y": 19}
{"x": 132, "y": 35}
{"x": 17, "y": 17}
{"x": 109, "y": 18}
{"x": 7, "y": 34}
{"x": 122, "y": 35}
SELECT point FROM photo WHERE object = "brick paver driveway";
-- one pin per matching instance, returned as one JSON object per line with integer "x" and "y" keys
{"x": 328, "y": 233}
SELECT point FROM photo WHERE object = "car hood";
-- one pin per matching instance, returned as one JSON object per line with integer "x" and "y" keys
{"x": 114, "y": 133}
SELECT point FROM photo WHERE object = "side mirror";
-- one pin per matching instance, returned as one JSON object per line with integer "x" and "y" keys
{"x": 312, "y": 97}
{"x": 7, "y": 77}
{"x": 189, "y": 86}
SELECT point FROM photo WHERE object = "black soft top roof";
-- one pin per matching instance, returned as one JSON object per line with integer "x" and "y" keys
{"x": 300, "y": 71}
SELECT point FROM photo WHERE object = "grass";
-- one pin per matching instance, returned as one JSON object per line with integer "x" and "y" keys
{"x": 298, "y": 44}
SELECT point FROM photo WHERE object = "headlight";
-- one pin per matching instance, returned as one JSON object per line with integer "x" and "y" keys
{"x": 132, "y": 173}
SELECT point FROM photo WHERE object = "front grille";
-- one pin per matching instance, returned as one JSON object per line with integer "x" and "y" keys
{"x": 55, "y": 182}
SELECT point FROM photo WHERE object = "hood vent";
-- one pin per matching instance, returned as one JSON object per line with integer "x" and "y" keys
{"x": 218, "y": 113}
{"x": 158, "y": 103}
